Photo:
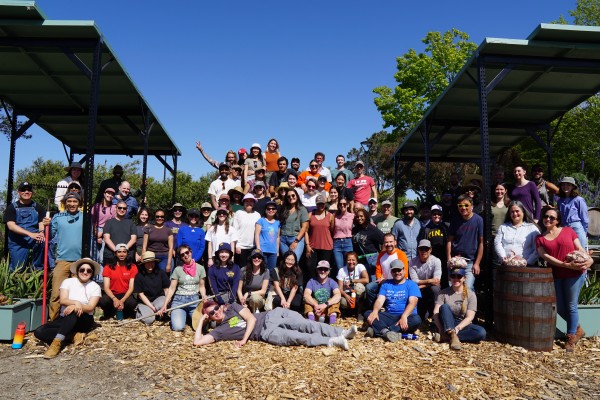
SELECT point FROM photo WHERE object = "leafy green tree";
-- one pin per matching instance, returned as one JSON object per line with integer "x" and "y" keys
{"x": 422, "y": 77}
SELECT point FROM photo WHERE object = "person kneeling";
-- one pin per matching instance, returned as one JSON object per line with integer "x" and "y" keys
{"x": 322, "y": 295}
{"x": 280, "y": 327}
{"x": 454, "y": 311}
{"x": 78, "y": 299}
{"x": 400, "y": 297}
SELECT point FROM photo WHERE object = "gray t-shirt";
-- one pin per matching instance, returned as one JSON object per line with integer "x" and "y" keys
{"x": 256, "y": 282}
{"x": 418, "y": 271}
{"x": 233, "y": 326}
{"x": 455, "y": 300}
{"x": 384, "y": 224}
{"x": 292, "y": 224}
{"x": 188, "y": 285}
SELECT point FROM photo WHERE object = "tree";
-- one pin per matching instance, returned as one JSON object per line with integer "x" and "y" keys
{"x": 5, "y": 126}
{"x": 422, "y": 77}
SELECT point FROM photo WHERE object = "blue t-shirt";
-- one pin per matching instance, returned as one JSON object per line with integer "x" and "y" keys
{"x": 397, "y": 295}
{"x": 268, "y": 235}
{"x": 466, "y": 236}
{"x": 322, "y": 291}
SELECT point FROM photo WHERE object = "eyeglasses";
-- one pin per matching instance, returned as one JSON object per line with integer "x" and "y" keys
{"x": 311, "y": 186}
{"x": 184, "y": 253}
{"x": 550, "y": 217}
{"x": 85, "y": 270}
{"x": 159, "y": 217}
{"x": 455, "y": 276}
{"x": 212, "y": 312}
{"x": 121, "y": 208}
{"x": 464, "y": 205}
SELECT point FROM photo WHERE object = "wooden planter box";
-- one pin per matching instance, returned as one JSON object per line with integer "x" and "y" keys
{"x": 589, "y": 319}
{"x": 11, "y": 315}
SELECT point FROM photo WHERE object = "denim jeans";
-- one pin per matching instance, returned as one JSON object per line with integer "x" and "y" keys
{"x": 162, "y": 262}
{"x": 470, "y": 333}
{"x": 567, "y": 296}
{"x": 581, "y": 234}
{"x": 179, "y": 316}
{"x": 388, "y": 321}
{"x": 470, "y": 278}
{"x": 372, "y": 291}
{"x": 340, "y": 248}
{"x": 286, "y": 241}
{"x": 271, "y": 261}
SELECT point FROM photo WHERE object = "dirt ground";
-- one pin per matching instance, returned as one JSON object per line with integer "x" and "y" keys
{"x": 137, "y": 362}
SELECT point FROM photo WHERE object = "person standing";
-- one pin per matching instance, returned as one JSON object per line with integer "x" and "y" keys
{"x": 125, "y": 196}
{"x": 119, "y": 230}
{"x": 25, "y": 220}
{"x": 408, "y": 230}
{"x": 573, "y": 209}
{"x": 363, "y": 186}
{"x": 221, "y": 185}
{"x": 546, "y": 189}
{"x": 527, "y": 193}
{"x": 244, "y": 222}
{"x": 436, "y": 233}
{"x": 74, "y": 174}
{"x": 385, "y": 220}
{"x": 340, "y": 160}
{"x": 193, "y": 235}
{"x": 67, "y": 227}
{"x": 159, "y": 240}
{"x": 113, "y": 183}
{"x": 102, "y": 212}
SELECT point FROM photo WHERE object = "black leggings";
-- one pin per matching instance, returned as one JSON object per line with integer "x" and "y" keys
{"x": 64, "y": 326}
{"x": 296, "y": 301}
{"x": 106, "y": 304}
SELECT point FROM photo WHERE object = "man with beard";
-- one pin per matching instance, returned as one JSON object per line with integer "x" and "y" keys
{"x": 382, "y": 269}
{"x": 547, "y": 189}
{"x": 221, "y": 185}
{"x": 124, "y": 195}
{"x": 281, "y": 175}
{"x": 408, "y": 229}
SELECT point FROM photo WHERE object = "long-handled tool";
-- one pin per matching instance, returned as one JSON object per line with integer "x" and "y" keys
{"x": 45, "y": 284}
{"x": 170, "y": 309}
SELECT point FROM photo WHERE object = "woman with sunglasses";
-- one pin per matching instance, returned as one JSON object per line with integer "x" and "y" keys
{"x": 318, "y": 237}
{"x": 553, "y": 247}
{"x": 343, "y": 220}
{"x": 454, "y": 311}
{"x": 150, "y": 287}
{"x": 252, "y": 289}
{"x": 159, "y": 240}
{"x": 279, "y": 327}
{"x": 309, "y": 197}
{"x": 224, "y": 276}
{"x": 294, "y": 223}
{"x": 516, "y": 236}
{"x": 267, "y": 235}
{"x": 287, "y": 283}
{"x": 187, "y": 280}
{"x": 220, "y": 232}
{"x": 193, "y": 235}
{"x": 119, "y": 283}
{"x": 177, "y": 220}
{"x": 78, "y": 299}
{"x": 312, "y": 172}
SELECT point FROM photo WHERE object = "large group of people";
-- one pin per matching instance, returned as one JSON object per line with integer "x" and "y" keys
{"x": 285, "y": 253}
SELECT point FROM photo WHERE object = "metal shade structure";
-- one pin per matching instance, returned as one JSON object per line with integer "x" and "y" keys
{"x": 64, "y": 77}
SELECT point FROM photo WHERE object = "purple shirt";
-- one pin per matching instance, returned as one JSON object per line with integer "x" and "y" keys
{"x": 322, "y": 291}
{"x": 530, "y": 197}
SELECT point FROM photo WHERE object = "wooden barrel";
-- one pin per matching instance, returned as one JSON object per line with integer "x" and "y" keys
{"x": 525, "y": 307}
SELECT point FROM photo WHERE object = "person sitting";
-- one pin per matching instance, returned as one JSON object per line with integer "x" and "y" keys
{"x": 454, "y": 311}
{"x": 287, "y": 283}
{"x": 119, "y": 278}
{"x": 322, "y": 295}
{"x": 399, "y": 296}
{"x": 78, "y": 299}
{"x": 382, "y": 270}
{"x": 352, "y": 280}
{"x": 150, "y": 287}
{"x": 224, "y": 275}
{"x": 279, "y": 327}
{"x": 426, "y": 271}
{"x": 187, "y": 281}
{"x": 252, "y": 289}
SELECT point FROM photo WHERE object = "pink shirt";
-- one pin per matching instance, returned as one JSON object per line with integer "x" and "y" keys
{"x": 363, "y": 186}
{"x": 101, "y": 214}
{"x": 342, "y": 225}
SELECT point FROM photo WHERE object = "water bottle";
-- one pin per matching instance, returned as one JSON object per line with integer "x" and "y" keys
{"x": 410, "y": 336}
{"x": 19, "y": 336}
{"x": 119, "y": 315}
{"x": 353, "y": 296}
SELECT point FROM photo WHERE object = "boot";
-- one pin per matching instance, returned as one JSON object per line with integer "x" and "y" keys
{"x": 54, "y": 349}
{"x": 454, "y": 341}
{"x": 571, "y": 342}
{"x": 579, "y": 334}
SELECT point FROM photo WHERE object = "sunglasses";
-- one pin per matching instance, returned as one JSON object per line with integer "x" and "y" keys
{"x": 550, "y": 217}
{"x": 109, "y": 193}
{"x": 322, "y": 270}
{"x": 293, "y": 196}
{"x": 184, "y": 253}
{"x": 257, "y": 256}
{"x": 398, "y": 271}
{"x": 464, "y": 205}
{"x": 343, "y": 204}
{"x": 221, "y": 214}
{"x": 85, "y": 270}
{"x": 313, "y": 165}
{"x": 121, "y": 208}
{"x": 178, "y": 210}
{"x": 212, "y": 312}
{"x": 26, "y": 190}
{"x": 159, "y": 217}
{"x": 311, "y": 186}
{"x": 423, "y": 248}
{"x": 271, "y": 209}
{"x": 455, "y": 276}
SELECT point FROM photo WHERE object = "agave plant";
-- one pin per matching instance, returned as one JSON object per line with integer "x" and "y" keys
{"x": 590, "y": 292}
{"x": 21, "y": 283}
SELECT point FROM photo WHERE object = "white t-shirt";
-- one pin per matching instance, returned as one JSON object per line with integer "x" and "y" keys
{"x": 245, "y": 223}
{"x": 216, "y": 187}
{"x": 216, "y": 238}
{"x": 81, "y": 292}
{"x": 344, "y": 276}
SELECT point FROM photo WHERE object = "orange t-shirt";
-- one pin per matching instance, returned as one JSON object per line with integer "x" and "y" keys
{"x": 271, "y": 159}
{"x": 382, "y": 269}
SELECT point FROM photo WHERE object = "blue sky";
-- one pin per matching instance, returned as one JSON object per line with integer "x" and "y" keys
{"x": 231, "y": 73}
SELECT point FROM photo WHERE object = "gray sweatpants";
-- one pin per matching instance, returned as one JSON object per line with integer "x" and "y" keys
{"x": 285, "y": 327}
{"x": 143, "y": 310}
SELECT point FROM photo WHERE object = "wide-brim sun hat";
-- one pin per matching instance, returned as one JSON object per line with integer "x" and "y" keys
{"x": 568, "y": 179}
{"x": 73, "y": 268}
{"x": 148, "y": 256}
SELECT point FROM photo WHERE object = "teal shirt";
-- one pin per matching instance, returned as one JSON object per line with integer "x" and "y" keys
{"x": 68, "y": 230}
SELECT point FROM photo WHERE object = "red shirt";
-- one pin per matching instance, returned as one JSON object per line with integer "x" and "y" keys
{"x": 558, "y": 248}
{"x": 119, "y": 277}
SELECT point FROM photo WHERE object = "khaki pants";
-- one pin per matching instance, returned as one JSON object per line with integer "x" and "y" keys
{"x": 334, "y": 308}
{"x": 60, "y": 273}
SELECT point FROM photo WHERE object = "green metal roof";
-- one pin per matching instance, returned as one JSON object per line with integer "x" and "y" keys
{"x": 19, "y": 9}
{"x": 40, "y": 78}
{"x": 538, "y": 80}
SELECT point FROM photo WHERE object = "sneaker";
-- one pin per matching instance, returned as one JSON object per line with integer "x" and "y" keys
{"x": 332, "y": 318}
{"x": 392, "y": 336}
{"x": 54, "y": 349}
{"x": 350, "y": 333}
{"x": 370, "y": 332}
{"x": 339, "y": 341}
{"x": 454, "y": 341}
{"x": 322, "y": 319}
{"x": 311, "y": 316}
